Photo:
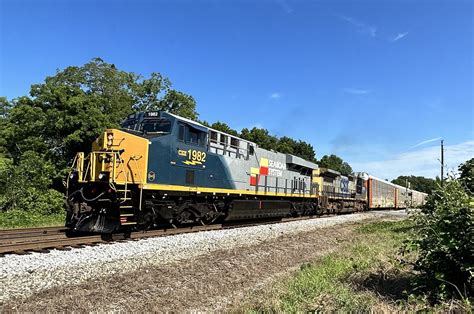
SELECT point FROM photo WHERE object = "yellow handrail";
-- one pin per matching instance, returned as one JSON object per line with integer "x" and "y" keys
{"x": 89, "y": 172}
{"x": 140, "y": 179}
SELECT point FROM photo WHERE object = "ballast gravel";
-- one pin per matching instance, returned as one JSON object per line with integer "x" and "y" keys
{"x": 24, "y": 275}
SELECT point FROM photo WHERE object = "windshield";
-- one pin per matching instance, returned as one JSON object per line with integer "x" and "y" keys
{"x": 158, "y": 126}
{"x": 130, "y": 124}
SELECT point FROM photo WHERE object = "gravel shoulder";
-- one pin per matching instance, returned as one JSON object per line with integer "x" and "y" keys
{"x": 204, "y": 271}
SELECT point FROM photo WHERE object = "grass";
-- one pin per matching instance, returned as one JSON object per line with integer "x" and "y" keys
{"x": 23, "y": 219}
{"x": 365, "y": 275}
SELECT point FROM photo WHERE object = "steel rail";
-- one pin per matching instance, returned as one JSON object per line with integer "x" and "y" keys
{"x": 21, "y": 241}
{"x": 26, "y": 231}
{"x": 63, "y": 242}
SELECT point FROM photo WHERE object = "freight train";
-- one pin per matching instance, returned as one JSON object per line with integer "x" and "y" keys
{"x": 160, "y": 169}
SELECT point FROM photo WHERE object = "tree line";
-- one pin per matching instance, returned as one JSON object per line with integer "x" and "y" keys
{"x": 417, "y": 183}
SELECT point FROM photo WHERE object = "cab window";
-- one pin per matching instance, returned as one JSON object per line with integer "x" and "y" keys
{"x": 223, "y": 140}
{"x": 181, "y": 132}
{"x": 130, "y": 124}
{"x": 213, "y": 136}
{"x": 156, "y": 126}
{"x": 191, "y": 135}
{"x": 234, "y": 142}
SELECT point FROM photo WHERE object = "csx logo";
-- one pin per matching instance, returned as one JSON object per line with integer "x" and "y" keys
{"x": 194, "y": 157}
{"x": 344, "y": 185}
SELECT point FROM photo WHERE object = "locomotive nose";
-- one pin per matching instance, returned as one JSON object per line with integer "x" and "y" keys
{"x": 120, "y": 157}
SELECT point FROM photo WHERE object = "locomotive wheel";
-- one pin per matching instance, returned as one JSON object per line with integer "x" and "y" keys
{"x": 209, "y": 218}
{"x": 186, "y": 217}
{"x": 146, "y": 221}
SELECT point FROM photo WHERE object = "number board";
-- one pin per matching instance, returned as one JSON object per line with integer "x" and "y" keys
{"x": 152, "y": 114}
{"x": 193, "y": 157}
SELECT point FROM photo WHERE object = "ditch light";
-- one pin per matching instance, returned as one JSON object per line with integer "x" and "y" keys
{"x": 104, "y": 176}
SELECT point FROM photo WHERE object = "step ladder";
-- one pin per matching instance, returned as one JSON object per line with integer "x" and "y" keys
{"x": 126, "y": 207}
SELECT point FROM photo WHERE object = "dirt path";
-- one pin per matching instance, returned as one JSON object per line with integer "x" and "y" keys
{"x": 216, "y": 281}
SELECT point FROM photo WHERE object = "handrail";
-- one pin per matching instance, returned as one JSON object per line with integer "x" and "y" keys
{"x": 87, "y": 168}
{"x": 139, "y": 178}
{"x": 69, "y": 174}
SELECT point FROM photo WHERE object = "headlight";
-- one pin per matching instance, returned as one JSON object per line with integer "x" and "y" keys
{"x": 110, "y": 139}
{"x": 74, "y": 176}
{"x": 103, "y": 176}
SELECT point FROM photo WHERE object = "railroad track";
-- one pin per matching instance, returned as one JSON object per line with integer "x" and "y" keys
{"x": 44, "y": 239}
{"x": 18, "y": 235}
{"x": 23, "y": 241}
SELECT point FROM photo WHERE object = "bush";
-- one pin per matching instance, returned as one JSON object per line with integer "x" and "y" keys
{"x": 24, "y": 219}
{"x": 26, "y": 186}
{"x": 466, "y": 172}
{"x": 443, "y": 243}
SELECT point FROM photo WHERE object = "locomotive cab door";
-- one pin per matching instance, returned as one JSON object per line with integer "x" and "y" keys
{"x": 191, "y": 154}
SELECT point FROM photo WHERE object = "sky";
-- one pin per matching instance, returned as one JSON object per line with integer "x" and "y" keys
{"x": 378, "y": 83}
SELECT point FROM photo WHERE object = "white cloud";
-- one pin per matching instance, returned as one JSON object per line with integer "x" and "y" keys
{"x": 361, "y": 27}
{"x": 399, "y": 36}
{"x": 426, "y": 142}
{"x": 285, "y": 6}
{"x": 275, "y": 96}
{"x": 356, "y": 91}
{"x": 422, "y": 162}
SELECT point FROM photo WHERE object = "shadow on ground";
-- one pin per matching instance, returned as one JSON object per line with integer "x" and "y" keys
{"x": 391, "y": 284}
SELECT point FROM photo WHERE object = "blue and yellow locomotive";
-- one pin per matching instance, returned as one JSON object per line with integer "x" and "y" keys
{"x": 160, "y": 169}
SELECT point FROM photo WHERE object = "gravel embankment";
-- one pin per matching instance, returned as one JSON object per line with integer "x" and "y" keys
{"x": 24, "y": 275}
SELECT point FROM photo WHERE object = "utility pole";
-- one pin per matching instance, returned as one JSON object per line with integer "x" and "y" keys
{"x": 406, "y": 191}
{"x": 442, "y": 161}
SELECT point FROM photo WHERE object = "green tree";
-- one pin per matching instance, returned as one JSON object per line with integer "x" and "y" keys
{"x": 298, "y": 148}
{"x": 25, "y": 129}
{"x": 286, "y": 145}
{"x": 466, "y": 172}
{"x": 335, "y": 163}
{"x": 305, "y": 151}
{"x": 443, "y": 242}
{"x": 417, "y": 183}
{"x": 223, "y": 127}
{"x": 70, "y": 109}
{"x": 5, "y": 107}
{"x": 178, "y": 103}
{"x": 148, "y": 94}
{"x": 26, "y": 185}
{"x": 261, "y": 137}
